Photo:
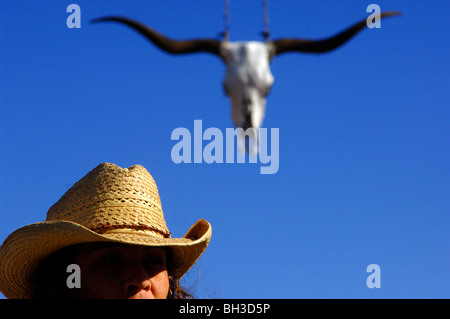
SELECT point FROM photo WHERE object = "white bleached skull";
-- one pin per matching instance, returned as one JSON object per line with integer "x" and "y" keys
{"x": 247, "y": 81}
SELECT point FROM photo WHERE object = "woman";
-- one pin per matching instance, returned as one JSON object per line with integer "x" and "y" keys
{"x": 105, "y": 238}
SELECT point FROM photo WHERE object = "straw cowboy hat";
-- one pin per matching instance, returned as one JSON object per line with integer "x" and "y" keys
{"x": 109, "y": 204}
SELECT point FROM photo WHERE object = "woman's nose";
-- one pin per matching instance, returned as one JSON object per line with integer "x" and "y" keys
{"x": 134, "y": 287}
{"x": 137, "y": 280}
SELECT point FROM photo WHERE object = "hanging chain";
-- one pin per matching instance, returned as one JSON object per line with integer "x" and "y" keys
{"x": 266, "y": 33}
{"x": 226, "y": 20}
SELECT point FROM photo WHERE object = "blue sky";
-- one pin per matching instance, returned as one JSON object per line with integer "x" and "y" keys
{"x": 363, "y": 152}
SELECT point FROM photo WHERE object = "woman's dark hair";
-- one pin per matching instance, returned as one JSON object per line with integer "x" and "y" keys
{"x": 50, "y": 276}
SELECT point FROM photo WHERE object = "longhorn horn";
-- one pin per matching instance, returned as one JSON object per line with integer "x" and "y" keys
{"x": 166, "y": 44}
{"x": 321, "y": 46}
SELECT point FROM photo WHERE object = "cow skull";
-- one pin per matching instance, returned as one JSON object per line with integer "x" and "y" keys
{"x": 248, "y": 78}
{"x": 247, "y": 81}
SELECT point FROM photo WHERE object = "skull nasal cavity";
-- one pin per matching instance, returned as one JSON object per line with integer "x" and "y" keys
{"x": 247, "y": 99}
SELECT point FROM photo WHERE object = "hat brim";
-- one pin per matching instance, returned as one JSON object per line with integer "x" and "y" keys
{"x": 28, "y": 246}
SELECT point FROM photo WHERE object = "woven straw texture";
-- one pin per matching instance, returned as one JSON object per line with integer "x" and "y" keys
{"x": 109, "y": 204}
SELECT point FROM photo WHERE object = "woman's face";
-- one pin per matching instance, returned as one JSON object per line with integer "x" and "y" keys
{"x": 110, "y": 271}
